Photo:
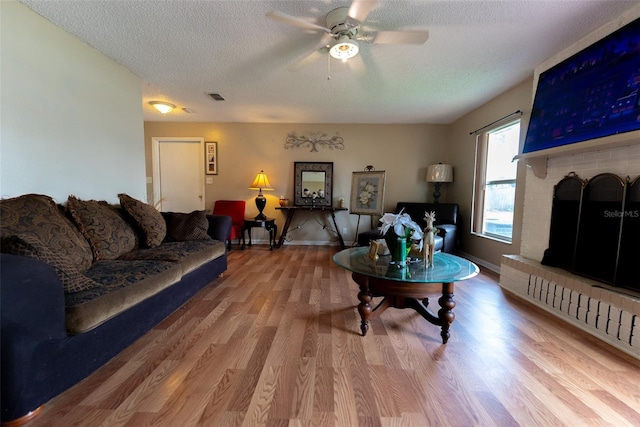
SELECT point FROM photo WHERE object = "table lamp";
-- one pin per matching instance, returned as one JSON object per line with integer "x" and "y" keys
{"x": 438, "y": 174}
{"x": 261, "y": 183}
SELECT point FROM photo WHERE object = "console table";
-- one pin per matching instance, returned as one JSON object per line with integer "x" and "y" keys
{"x": 405, "y": 287}
{"x": 291, "y": 211}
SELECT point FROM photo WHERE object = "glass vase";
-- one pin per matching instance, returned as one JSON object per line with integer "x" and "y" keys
{"x": 398, "y": 248}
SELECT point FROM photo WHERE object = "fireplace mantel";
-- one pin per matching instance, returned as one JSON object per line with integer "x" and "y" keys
{"x": 537, "y": 160}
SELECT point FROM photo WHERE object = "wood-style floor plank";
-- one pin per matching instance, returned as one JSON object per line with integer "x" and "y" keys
{"x": 276, "y": 342}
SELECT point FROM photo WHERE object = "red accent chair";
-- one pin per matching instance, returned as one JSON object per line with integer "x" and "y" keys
{"x": 234, "y": 209}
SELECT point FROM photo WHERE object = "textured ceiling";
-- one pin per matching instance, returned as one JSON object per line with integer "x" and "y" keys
{"x": 183, "y": 50}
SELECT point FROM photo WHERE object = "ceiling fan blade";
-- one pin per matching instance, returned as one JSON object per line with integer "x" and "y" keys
{"x": 360, "y": 9}
{"x": 292, "y": 20}
{"x": 307, "y": 60}
{"x": 401, "y": 37}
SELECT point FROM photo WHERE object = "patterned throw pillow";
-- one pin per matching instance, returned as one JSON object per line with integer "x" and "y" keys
{"x": 110, "y": 236}
{"x": 39, "y": 216}
{"x": 182, "y": 227}
{"x": 149, "y": 221}
{"x": 30, "y": 246}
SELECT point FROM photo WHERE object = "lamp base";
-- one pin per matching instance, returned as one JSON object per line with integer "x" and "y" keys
{"x": 261, "y": 202}
{"x": 436, "y": 193}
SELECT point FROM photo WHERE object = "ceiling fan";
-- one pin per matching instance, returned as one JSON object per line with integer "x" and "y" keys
{"x": 343, "y": 25}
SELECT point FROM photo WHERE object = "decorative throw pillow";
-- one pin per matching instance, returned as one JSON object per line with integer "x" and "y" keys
{"x": 149, "y": 221}
{"x": 182, "y": 227}
{"x": 110, "y": 236}
{"x": 39, "y": 216}
{"x": 30, "y": 246}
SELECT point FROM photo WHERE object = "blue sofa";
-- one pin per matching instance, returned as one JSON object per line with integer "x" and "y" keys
{"x": 51, "y": 340}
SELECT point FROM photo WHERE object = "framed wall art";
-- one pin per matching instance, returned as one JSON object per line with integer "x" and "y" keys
{"x": 367, "y": 193}
{"x": 211, "y": 158}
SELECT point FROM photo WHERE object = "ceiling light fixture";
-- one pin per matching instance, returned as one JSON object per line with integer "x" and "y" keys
{"x": 344, "y": 48}
{"x": 163, "y": 107}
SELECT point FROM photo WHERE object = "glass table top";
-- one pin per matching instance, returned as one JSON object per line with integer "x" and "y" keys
{"x": 447, "y": 268}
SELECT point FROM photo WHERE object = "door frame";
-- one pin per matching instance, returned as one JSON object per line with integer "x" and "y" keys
{"x": 155, "y": 161}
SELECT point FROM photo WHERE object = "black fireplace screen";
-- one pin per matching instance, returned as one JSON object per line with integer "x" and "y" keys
{"x": 595, "y": 229}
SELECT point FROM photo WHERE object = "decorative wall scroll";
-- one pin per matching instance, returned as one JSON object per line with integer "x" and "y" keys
{"x": 313, "y": 140}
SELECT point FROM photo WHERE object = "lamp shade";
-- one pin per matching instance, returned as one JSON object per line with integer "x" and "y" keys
{"x": 440, "y": 173}
{"x": 261, "y": 182}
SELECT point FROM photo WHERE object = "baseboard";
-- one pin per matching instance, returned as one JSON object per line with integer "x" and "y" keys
{"x": 480, "y": 262}
{"x": 299, "y": 242}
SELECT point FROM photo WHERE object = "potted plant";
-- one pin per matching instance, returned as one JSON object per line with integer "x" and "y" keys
{"x": 399, "y": 230}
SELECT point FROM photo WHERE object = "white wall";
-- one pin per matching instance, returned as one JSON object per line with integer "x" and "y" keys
{"x": 71, "y": 117}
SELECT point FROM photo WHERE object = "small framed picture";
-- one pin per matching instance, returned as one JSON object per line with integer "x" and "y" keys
{"x": 367, "y": 193}
{"x": 211, "y": 158}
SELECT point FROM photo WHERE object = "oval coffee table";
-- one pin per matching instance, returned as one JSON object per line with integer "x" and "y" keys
{"x": 405, "y": 287}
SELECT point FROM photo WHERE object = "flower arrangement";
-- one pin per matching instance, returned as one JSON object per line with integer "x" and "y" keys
{"x": 405, "y": 231}
{"x": 402, "y": 225}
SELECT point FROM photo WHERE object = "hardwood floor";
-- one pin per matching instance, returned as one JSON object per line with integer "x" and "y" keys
{"x": 276, "y": 342}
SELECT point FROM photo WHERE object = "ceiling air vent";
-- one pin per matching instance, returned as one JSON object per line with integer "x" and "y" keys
{"x": 216, "y": 97}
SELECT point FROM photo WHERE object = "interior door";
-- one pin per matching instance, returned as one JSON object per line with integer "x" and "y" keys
{"x": 178, "y": 174}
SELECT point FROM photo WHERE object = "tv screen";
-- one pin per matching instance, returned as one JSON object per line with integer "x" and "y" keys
{"x": 593, "y": 94}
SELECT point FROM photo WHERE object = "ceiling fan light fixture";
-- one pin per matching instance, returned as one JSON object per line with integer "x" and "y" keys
{"x": 344, "y": 48}
{"x": 163, "y": 107}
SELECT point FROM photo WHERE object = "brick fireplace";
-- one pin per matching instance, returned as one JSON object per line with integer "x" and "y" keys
{"x": 607, "y": 312}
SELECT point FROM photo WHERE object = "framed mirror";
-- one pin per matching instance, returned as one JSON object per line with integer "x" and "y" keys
{"x": 313, "y": 184}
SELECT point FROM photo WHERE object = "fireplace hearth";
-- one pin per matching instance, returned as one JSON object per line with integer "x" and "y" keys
{"x": 595, "y": 229}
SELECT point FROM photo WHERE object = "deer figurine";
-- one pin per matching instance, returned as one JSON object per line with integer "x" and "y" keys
{"x": 429, "y": 239}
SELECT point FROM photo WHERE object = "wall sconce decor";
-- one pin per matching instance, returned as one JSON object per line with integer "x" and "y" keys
{"x": 261, "y": 183}
{"x": 439, "y": 174}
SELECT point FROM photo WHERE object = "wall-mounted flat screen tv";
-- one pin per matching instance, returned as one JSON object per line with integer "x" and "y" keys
{"x": 593, "y": 94}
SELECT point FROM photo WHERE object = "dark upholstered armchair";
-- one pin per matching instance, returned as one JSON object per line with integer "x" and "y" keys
{"x": 447, "y": 222}
{"x": 234, "y": 209}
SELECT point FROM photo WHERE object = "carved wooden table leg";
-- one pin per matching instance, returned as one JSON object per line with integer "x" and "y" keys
{"x": 445, "y": 314}
{"x": 364, "y": 308}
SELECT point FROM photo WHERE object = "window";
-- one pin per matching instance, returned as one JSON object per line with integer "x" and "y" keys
{"x": 495, "y": 181}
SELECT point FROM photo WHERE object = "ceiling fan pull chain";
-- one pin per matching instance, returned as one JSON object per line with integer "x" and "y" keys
{"x": 328, "y": 67}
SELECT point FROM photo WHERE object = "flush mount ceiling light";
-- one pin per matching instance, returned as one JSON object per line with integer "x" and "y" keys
{"x": 163, "y": 107}
{"x": 344, "y": 48}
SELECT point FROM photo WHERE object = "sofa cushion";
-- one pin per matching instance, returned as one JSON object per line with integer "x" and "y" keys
{"x": 190, "y": 255}
{"x": 107, "y": 232}
{"x": 148, "y": 220}
{"x": 186, "y": 226}
{"x": 30, "y": 246}
{"x": 122, "y": 284}
{"x": 40, "y": 217}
